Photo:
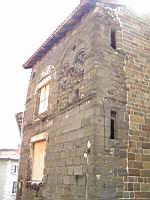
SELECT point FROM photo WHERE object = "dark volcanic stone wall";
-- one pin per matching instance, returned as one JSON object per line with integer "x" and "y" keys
{"x": 89, "y": 80}
{"x": 69, "y": 121}
{"x": 110, "y": 155}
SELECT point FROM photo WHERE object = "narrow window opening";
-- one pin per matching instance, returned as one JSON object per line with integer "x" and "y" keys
{"x": 74, "y": 47}
{"x": 77, "y": 94}
{"x": 113, "y": 125}
{"x": 113, "y": 39}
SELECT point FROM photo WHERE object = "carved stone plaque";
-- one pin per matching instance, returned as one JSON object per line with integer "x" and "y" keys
{"x": 49, "y": 71}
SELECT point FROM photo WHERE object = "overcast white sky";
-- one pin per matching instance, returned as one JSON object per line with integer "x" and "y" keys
{"x": 24, "y": 26}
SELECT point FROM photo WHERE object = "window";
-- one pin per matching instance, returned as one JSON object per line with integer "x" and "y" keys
{"x": 43, "y": 101}
{"x": 38, "y": 154}
{"x": 14, "y": 187}
{"x": 113, "y": 39}
{"x": 113, "y": 124}
{"x": 76, "y": 94}
{"x": 14, "y": 169}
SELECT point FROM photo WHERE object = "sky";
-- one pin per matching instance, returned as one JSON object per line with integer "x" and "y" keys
{"x": 24, "y": 25}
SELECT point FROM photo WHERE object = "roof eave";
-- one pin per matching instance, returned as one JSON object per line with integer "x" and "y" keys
{"x": 60, "y": 32}
{"x": 83, "y": 8}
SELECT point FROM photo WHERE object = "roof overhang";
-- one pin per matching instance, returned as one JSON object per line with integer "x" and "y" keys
{"x": 84, "y": 7}
{"x": 9, "y": 158}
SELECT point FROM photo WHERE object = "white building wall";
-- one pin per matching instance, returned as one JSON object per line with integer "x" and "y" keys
{"x": 7, "y": 179}
{"x": 3, "y": 169}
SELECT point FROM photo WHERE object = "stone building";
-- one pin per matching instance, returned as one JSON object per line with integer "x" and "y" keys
{"x": 86, "y": 131}
{"x": 8, "y": 173}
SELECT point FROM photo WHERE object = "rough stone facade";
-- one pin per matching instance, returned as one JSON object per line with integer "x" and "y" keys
{"x": 89, "y": 80}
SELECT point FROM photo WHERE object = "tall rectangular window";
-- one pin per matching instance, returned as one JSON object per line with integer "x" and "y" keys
{"x": 14, "y": 187}
{"x": 44, "y": 94}
{"x": 38, "y": 160}
{"x": 113, "y": 39}
{"x": 113, "y": 124}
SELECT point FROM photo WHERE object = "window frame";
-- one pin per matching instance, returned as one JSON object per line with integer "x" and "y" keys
{"x": 14, "y": 168}
{"x": 113, "y": 124}
{"x": 14, "y": 187}
{"x": 44, "y": 93}
{"x": 42, "y": 84}
{"x": 113, "y": 39}
{"x": 42, "y": 137}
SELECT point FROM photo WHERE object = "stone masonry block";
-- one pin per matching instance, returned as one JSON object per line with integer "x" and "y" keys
{"x": 78, "y": 170}
{"x": 70, "y": 170}
{"x": 66, "y": 180}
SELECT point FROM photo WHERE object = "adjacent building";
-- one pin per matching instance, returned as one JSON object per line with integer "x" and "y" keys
{"x": 9, "y": 161}
{"x": 86, "y": 128}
